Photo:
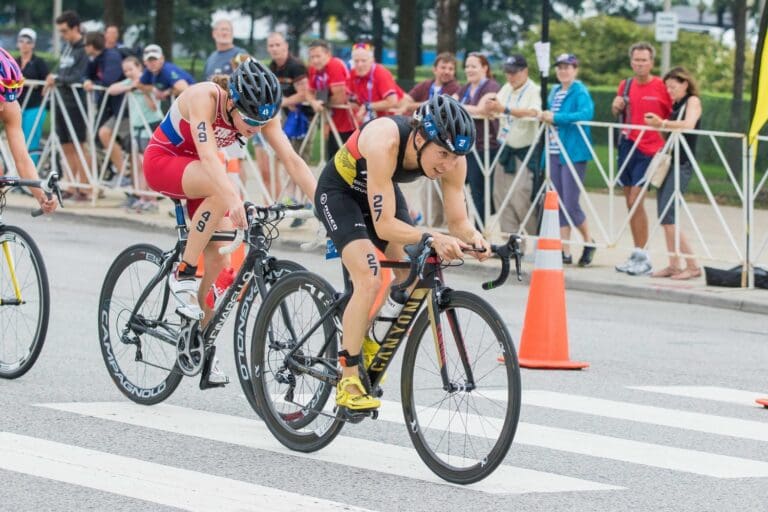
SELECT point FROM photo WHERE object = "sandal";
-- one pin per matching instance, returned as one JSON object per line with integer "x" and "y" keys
{"x": 688, "y": 273}
{"x": 667, "y": 272}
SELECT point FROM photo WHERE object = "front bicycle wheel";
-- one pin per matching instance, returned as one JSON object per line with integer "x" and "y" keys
{"x": 293, "y": 403}
{"x": 24, "y": 302}
{"x": 247, "y": 312}
{"x": 139, "y": 349}
{"x": 461, "y": 413}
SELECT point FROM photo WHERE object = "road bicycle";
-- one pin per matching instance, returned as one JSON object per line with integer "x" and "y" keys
{"x": 24, "y": 294}
{"x": 460, "y": 405}
{"x": 148, "y": 347}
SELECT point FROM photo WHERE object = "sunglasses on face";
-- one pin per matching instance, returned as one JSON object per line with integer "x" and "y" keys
{"x": 267, "y": 112}
{"x": 12, "y": 84}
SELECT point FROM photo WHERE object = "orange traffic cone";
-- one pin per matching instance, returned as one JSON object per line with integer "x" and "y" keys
{"x": 763, "y": 402}
{"x": 237, "y": 261}
{"x": 386, "y": 279}
{"x": 544, "y": 342}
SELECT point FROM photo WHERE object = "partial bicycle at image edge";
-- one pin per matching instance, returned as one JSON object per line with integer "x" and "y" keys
{"x": 24, "y": 291}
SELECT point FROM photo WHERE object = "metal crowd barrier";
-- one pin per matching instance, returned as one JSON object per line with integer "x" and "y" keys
{"x": 737, "y": 240}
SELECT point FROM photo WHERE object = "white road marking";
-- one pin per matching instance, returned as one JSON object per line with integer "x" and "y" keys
{"x": 714, "y": 393}
{"x": 360, "y": 453}
{"x": 148, "y": 481}
{"x": 594, "y": 445}
{"x": 710, "y": 424}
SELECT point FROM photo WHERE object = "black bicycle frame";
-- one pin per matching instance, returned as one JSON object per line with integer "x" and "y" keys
{"x": 428, "y": 289}
{"x": 256, "y": 260}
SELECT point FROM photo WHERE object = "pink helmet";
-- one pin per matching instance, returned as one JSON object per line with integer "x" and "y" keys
{"x": 11, "y": 79}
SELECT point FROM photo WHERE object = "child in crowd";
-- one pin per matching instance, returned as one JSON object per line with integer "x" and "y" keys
{"x": 145, "y": 115}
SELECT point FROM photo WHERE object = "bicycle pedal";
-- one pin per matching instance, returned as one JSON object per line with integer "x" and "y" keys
{"x": 356, "y": 416}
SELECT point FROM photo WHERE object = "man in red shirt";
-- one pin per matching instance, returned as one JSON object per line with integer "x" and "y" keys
{"x": 444, "y": 82}
{"x": 328, "y": 78}
{"x": 372, "y": 87}
{"x": 646, "y": 94}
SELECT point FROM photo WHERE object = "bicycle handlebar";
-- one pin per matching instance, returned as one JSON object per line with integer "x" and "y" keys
{"x": 49, "y": 186}
{"x": 505, "y": 252}
{"x": 418, "y": 254}
{"x": 266, "y": 214}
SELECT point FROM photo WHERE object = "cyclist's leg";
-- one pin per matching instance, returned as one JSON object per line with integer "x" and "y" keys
{"x": 198, "y": 183}
{"x": 359, "y": 258}
{"x": 214, "y": 263}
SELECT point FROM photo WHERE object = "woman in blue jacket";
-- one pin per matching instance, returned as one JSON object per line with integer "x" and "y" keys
{"x": 569, "y": 102}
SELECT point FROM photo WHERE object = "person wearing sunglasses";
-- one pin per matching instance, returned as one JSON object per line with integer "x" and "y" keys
{"x": 182, "y": 162}
{"x": 363, "y": 209}
{"x": 11, "y": 87}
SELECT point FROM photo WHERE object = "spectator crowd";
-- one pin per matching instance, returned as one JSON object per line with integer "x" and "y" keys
{"x": 517, "y": 132}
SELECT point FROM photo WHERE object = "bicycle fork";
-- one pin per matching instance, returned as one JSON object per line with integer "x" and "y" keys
{"x": 440, "y": 299}
{"x": 16, "y": 301}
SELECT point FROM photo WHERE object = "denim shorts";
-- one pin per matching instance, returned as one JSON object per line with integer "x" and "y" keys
{"x": 633, "y": 174}
{"x": 668, "y": 187}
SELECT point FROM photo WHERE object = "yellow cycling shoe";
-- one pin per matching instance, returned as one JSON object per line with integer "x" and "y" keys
{"x": 355, "y": 402}
{"x": 370, "y": 349}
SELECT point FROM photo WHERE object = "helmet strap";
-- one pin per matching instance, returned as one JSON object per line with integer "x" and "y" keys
{"x": 419, "y": 150}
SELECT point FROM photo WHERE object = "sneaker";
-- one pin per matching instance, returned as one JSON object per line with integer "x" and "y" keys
{"x": 624, "y": 267}
{"x": 297, "y": 222}
{"x": 359, "y": 402}
{"x": 641, "y": 267}
{"x": 185, "y": 292}
{"x": 217, "y": 375}
{"x": 567, "y": 259}
{"x": 587, "y": 255}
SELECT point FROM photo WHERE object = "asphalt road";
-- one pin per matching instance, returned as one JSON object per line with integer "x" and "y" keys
{"x": 662, "y": 419}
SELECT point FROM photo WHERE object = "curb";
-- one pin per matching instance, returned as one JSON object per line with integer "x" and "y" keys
{"x": 572, "y": 283}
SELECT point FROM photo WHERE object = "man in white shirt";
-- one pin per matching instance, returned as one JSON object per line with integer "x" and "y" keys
{"x": 517, "y": 104}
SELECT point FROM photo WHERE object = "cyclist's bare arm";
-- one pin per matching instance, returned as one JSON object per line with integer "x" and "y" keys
{"x": 378, "y": 143}
{"x": 297, "y": 168}
{"x": 10, "y": 116}
{"x": 455, "y": 211}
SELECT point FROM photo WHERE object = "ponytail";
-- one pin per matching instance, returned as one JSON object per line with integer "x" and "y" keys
{"x": 222, "y": 81}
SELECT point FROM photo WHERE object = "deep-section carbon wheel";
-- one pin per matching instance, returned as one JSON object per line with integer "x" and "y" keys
{"x": 139, "y": 349}
{"x": 461, "y": 415}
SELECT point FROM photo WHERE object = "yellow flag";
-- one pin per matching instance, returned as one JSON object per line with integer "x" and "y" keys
{"x": 760, "y": 82}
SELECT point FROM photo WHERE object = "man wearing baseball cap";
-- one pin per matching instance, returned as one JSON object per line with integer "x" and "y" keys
{"x": 33, "y": 68}
{"x": 165, "y": 77}
{"x": 517, "y": 103}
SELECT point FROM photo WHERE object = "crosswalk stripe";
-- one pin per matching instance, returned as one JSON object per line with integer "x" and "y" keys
{"x": 714, "y": 393}
{"x": 148, "y": 481}
{"x": 647, "y": 454}
{"x": 348, "y": 451}
{"x": 698, "y": 422}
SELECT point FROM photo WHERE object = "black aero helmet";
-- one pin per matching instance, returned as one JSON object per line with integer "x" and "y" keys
{"x": 255, "y": 91}
{"x": 444, "y": 121}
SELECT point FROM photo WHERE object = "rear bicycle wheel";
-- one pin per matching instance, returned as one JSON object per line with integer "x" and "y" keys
{"x": 295, "y": 405}
{"x": 139, "y": 350}
{"x": 24, "y": 302}
{"x": 247, "y": 312}
{"x": 462, "y": 431}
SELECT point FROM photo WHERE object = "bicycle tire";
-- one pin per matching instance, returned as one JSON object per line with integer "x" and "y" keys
{"x": 248, "y": 310}
{"x": 140, "y": 263}
{"x": 292, "y": 424}
{"x": 423, "y": 418}
{"x": 32, "y": 280}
